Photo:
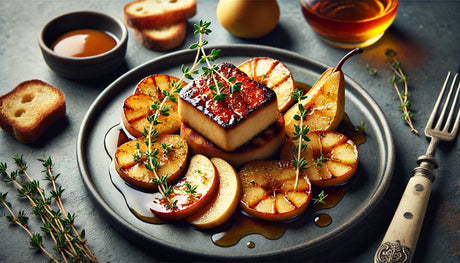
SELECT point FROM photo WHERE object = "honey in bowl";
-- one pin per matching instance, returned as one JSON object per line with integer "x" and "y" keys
{"x": 349, "y": 23}
{"x": 83, "y": 43}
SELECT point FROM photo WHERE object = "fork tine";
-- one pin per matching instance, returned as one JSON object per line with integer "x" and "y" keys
{"x": 437, "y": 104}
{"x": 446, "y": 124}
{"x": 454, "y": 102}
{"x": 446, "y": 103}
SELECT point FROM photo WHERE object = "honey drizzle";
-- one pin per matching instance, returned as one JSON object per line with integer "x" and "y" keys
{"x": 138, "y": 201}
{"x": 242, "y": 226}
{"x": 354, "y": 133}
{"x": 322, "y": 220}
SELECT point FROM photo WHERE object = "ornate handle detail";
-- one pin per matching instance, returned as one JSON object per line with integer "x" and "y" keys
{"x": 393, "y": 252}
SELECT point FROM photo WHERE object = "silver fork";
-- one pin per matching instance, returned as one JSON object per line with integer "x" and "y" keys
{"x": 400, "y": 240}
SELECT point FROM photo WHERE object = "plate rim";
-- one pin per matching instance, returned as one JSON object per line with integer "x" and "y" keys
{"x": 238, "y": 49}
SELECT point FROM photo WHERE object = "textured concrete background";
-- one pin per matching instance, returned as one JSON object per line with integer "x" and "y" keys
{"x": 425, "y": 34}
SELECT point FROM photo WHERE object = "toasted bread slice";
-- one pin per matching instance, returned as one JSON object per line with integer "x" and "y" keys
{"x": 146, "y": 14}
{"x": 162, "y": 38}
{"x": 30, "y": 108}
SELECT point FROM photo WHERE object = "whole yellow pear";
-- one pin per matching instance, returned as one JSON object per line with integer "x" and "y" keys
{"x": 248, "y": 18}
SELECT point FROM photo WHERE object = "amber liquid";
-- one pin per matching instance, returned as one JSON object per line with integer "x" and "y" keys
{"x": 83, "y": 43}
{"x": 349, "y": 23}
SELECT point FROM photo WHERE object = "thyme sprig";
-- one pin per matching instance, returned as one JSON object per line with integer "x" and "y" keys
{"x": 160, "y": 109}
{"x": 191, "y": 189}
{"x": 21, "y": 220}
{"x": 320, "y": 199}
{"x": 399, "y": 77}
{"x": 57, "y": 223}
{"x": 299, "y": 135}
{"x": 218, "y": 87}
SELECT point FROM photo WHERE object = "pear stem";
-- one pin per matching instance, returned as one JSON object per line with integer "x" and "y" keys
{"x": 357, "y": 50}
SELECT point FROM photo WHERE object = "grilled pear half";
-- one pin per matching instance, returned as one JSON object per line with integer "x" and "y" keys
{"x": 325, "y": 101}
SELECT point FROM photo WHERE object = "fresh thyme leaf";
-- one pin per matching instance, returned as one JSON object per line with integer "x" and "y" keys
{"x": 3, "y": 196}
{"x": 169, "y": 190}
{"x": 320, "y": 160}
{"x": 167, "y": 148}
{"x": 193, "y": 46}
{"x": 214, "y": 54}
{"x": 3, "y": 167}
{"x": 191, "y": 190}
{"x": 82, "y": 234}
{"x": 321, "y": 196}
{"x": 372, "y": 71}
{"x": 298, "y": 95}
{"x": 172, "y": 205}
{"x": 300, "y": 163}
{"x": 164, "y": 111}
{"x": 22, "y": 218}
{"x": 235, "y": 87}
{"x": 217, "y": 96}
{"x": 36, "y": 240}
{"x": 202, "y": 28}
{"x": 20, "y": 162}
{"x": 57, "y": 193}
{"x": 155, "y": 105}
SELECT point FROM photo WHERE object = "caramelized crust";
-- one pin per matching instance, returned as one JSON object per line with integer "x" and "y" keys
{"x": 233, "y": 121}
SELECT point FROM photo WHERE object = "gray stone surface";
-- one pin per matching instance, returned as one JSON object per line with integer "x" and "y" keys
{"x": 425, "y": 34}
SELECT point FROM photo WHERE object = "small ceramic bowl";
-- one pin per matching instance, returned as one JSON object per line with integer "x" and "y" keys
{"x": 84, "y": 67}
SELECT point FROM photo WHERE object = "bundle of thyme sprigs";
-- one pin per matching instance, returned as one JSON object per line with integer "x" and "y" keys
{"x": 399, "y": 77}
{"x": 57, "y": 223}
{"x": 160, "y": 109}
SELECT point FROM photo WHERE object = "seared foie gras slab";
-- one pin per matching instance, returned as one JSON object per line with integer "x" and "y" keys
{"x": 234, "y": 120}
{"x": 262, "y": 147}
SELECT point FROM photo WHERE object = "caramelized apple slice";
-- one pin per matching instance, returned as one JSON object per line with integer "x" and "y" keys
{"x": 332, "y": 158}
{"x": 273, "y": 74}
{"x": 138, "y": 106}
{"x": 270, "y": 191}
{"x": 224, "y": 204}
{"x": 154, "y": 85}
{"x": 173, "y": 160}
{"x": 193, "y": 192}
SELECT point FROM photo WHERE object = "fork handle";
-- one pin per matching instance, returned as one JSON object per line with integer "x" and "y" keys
{"x": 400, "y": 240}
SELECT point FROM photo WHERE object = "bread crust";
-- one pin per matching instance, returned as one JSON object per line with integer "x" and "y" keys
{"x": 162, "y": 38}
{"x": 144, "y": 14}
{"x": 23, "y": 113}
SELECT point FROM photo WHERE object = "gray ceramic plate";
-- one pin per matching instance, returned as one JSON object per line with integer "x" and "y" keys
{"x": 364, "y": 192}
